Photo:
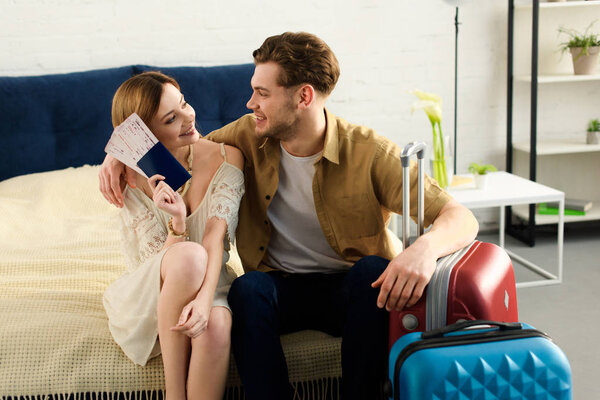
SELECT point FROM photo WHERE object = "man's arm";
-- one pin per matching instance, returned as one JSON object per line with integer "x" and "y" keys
{"x": 405, "y": 278}
{"x": 113, "y": 176}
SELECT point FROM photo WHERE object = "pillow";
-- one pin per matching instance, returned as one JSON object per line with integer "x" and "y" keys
{"x": 52, "y": 122}
{"x": 218, "y": 94}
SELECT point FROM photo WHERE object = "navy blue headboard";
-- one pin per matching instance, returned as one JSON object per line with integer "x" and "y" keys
{"x": 56, "y": 121}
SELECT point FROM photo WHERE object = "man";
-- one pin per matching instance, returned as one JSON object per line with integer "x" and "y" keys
{"x": 312, "y": 232}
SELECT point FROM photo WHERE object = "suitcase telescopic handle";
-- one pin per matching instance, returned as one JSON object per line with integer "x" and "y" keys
{"x": 409, "y": 150}
{"x": 459, "y": 326}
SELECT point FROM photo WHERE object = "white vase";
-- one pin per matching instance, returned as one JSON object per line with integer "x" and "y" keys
{"x": 449, "y": 170}
{"x": 593, "y": 137}
{"x": 481, "y": 181}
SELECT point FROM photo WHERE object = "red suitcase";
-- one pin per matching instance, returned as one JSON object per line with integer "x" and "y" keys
{"x": 476, "y": 282}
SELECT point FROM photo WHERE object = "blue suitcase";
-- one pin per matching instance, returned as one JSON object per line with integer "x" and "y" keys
{"x": 500, "y": 361}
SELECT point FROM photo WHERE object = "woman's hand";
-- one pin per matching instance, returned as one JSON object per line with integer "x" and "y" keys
{"x": 165, "y": 198}
{"x": 194, "y": 318}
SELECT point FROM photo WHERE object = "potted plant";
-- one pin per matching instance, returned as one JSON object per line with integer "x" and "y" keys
{"x": 480, "y": 173}
{"x": 584, "y": 48}
{"x": 593, "y": 132}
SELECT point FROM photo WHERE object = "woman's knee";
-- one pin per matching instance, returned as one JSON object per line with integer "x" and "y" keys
{"x": 185, "y": 262}
{"x": 217, "y": 337}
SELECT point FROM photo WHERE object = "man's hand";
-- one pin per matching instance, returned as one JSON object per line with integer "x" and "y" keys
{"x": 404, "y": 280}
{"x": 113, "y": 177}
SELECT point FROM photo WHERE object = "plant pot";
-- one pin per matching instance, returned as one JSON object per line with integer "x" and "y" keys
{"x": 585, "y": 64}
{"x": 593, "y": 137}
{"x": 481, "y": 180}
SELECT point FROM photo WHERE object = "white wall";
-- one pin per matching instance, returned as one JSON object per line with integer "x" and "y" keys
{"x": 385, "y": 48}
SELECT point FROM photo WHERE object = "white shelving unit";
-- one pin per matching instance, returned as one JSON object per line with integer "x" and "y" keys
{"x": 523, "y": 212}
{"x": 567, "y": 146}
{"x": 559, "y": 165}
{"x": 564, "y": 4}
{"x": 559, "y": 78}
{"x": 564, "y": 163}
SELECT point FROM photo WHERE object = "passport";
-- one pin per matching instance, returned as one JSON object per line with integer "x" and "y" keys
{"x": 135, "y": 145}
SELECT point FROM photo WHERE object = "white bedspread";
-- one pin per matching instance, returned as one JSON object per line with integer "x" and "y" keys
{"x": 59, "y": 250}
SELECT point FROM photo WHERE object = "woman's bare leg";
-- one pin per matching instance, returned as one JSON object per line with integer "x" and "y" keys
{"x": 209, "y": 362}
{"x": 182, "y": 270}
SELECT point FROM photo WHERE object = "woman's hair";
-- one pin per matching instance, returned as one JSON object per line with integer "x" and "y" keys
{"x": 140, "y": 94}
{"x": 303, "y": 58}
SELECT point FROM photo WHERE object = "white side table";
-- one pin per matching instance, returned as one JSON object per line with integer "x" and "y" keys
{"x": 505, "y": 189}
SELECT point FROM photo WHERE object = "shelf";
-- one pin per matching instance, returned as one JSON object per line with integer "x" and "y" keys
{"x": 559, "y": 78}
{"x": 548, "y": 147}
{"x": 522, "y": 211}
{"x": 565, "y": 161}
{"x": 564, "y": 4}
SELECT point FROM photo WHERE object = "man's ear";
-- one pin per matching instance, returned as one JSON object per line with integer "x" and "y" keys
{"x": 307, "y": 96}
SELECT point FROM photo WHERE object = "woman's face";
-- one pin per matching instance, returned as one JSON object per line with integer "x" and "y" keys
{"x": 174, "y": 122}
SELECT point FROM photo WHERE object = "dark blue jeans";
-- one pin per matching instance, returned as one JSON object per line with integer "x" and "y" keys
{"x": 266, "y": 305}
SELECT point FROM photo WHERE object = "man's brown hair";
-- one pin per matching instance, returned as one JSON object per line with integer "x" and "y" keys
{"x": 303, "y": 58}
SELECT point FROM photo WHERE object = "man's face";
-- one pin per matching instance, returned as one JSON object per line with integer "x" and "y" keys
{"x": 273, "y": 105}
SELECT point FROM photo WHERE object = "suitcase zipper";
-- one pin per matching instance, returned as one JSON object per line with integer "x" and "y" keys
{"x": 437, "y": 290}
{"x": 483, "y": 337}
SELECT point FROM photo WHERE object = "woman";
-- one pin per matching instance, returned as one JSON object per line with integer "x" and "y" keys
{"x": 175, "y": 289}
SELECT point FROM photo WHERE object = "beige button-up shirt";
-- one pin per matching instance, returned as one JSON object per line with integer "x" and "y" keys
{"x": 356, "y": 187}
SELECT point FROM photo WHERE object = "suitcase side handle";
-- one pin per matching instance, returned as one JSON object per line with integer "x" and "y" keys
{"x": 409, "y": 150}
{"x": 459, "y": 326}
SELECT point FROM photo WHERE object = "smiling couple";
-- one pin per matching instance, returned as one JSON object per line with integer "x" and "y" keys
{"x": 315, "y": 196}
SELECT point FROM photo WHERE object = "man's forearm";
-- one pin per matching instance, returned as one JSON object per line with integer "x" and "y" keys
{"x": 454, "y": 228}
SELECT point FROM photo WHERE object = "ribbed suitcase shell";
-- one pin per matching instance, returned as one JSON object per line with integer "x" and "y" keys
{"x": 515, "y": 368}
{"x": 476, "y": 282}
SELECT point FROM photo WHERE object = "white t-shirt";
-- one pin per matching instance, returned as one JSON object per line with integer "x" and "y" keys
{"x": 297, "y": 242}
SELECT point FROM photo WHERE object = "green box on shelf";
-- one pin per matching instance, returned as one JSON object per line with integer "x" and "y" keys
{"x": 545, "y": 210}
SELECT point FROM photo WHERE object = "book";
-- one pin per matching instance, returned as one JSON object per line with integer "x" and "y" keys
{"x": 135, "y": 145}
{"x": 544, "y": 209}
{"x": 573, "y": 204}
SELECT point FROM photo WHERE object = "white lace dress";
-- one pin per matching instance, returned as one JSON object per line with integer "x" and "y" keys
{"x": 131, "y": 301}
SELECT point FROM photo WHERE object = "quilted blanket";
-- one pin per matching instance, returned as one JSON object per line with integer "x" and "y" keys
{"x": 60, "y": 250}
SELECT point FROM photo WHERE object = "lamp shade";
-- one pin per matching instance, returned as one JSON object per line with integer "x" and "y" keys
{"x": 456, "y": 3}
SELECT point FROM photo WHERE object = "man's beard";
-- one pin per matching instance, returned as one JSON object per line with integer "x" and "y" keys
{"x": 284, "y": 130}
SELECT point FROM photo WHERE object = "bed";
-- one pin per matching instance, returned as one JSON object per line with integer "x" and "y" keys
{"x": 60, "y": 243}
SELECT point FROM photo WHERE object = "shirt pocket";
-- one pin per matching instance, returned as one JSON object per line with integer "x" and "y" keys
{"x": 358, "y": 217}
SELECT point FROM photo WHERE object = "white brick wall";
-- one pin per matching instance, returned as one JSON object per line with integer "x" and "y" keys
{"x": 385, "y": 48}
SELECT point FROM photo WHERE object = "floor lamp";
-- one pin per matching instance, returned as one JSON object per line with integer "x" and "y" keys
{"x": 456, "y": 4}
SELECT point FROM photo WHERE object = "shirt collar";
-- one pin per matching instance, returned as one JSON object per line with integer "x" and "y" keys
{"x": 331, "y": 150}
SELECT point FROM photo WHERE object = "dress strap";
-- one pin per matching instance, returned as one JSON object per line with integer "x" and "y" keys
{"x": 223, "y": 153}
